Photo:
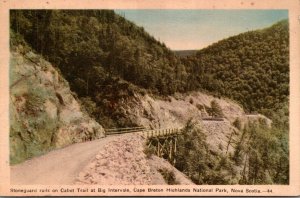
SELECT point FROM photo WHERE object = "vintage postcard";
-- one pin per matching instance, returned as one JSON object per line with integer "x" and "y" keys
{"x": 150, "y": 98}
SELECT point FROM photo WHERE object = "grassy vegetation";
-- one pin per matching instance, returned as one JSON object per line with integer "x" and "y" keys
{"x": 168, "y": 176}
{"x": 149, "y": 151}
{"x": 237, "y": 123}
{"x": 197, "y": 161}
{"x": 215, "y": 109}
{"x": 31, "y": 129}
{"x": 261, "y": 152}
{"x": 265, "y": 151}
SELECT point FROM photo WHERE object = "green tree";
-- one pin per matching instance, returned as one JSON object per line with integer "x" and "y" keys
{"x": 216, "y": 110}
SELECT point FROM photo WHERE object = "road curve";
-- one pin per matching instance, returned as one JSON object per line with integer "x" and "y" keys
{"x": 60, "y": 166}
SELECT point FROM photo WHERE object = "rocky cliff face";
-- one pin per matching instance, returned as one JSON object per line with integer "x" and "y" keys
{"x": 44, "y": 113}
{"x": 178, "y": 109}
{"x": 175, "y": 111}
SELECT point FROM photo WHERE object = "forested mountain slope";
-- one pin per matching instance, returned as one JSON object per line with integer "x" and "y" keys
{"x": 252, "y": 68}
{"x": 185, "y": 53}
{"x": 102, "y": 55}
{"x": 96, "y": 49}
{"x": 124, "y": 77}
{"x": 84, "y": 43}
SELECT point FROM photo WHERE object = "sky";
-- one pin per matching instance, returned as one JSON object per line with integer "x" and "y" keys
{"x": 196, "y": 29}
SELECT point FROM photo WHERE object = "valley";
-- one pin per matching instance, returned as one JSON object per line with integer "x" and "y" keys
{"x": 76, "y": 75}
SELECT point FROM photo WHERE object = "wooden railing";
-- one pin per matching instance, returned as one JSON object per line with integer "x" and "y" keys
{"x": 213, "y": 119}
{"x": 160, "y": 132}
{"x": 146, "y": 133}
{"x": 115, "y": 131}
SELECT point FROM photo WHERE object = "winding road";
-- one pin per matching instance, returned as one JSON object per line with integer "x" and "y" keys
{"x": 60, "y": 166}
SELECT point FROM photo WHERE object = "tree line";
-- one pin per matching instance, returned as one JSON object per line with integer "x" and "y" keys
{"x": 107, "y": 59}
{"x": 251, "y": 68}
{"x": 98, "y": 49}
{"x": 261, "y": 155}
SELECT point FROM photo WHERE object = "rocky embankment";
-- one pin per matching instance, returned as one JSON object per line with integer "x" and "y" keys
{"x": 124, "y": 162}
{"x": 175, "y": 111}
{"x": 44, "y": 114}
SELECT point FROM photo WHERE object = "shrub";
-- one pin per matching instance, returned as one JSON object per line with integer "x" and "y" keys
{"x": 220, "y": 146}
{"x": 208, "y": 110}
{"x": 168, "y": 176}
{"x": 237, "y": 156}
{"x": 200, "y": 107}
{"x": 196, "y": 159}
{"x": 89, "y": 105}
{"x": 149, "y": 151}
{"x": 35, "y": 99}
{"x": 237, "y": 123}
{"x": 216, "y": 109}
{"x": 143, "y": 92}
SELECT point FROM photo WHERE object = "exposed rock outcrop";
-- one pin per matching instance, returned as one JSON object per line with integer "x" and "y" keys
{"x": 222, "y": 133}
{"x": 44, "y": 113}
{"x": 177, "y": 110}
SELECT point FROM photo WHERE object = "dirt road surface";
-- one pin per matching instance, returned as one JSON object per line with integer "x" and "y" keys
{"x": 59, "y": 166}
{"x": 118, "y": 159}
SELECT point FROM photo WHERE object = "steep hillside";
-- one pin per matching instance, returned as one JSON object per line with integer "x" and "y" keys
{"x": 90, "y": 46}
{"x": 98, "y": 50}
{"x": 185, "y": 53}
{"x": 178, "y": 109}
{"x": 252, "y": 68}
{"x": 175, "y": 112}
{"x": 44, "y": 113}
{"x": 124, "y": 78}
{"x": 104, "y": 57}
